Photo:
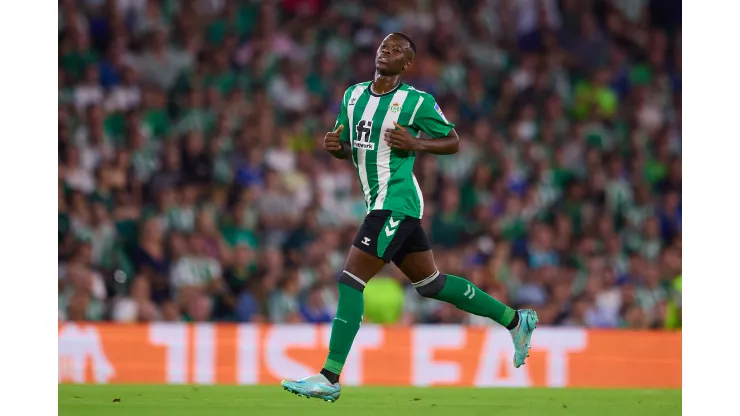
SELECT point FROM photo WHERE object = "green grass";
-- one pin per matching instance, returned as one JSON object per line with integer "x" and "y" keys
{"x": 82, "y": 400}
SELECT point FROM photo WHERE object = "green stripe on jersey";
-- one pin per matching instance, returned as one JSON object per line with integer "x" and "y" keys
{"x": 383, "y": 155}
{"x": 386, "y": 174}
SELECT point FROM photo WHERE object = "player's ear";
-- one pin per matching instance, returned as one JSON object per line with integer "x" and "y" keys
{"x": 408, "y": 64}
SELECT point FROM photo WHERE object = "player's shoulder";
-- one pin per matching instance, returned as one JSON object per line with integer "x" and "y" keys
{"x": 358, "y": 85}
{"x": 348, "y": 92}
{"x": 417, "y": 92}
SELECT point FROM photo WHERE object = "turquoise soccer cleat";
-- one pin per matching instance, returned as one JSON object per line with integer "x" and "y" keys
{"x": 315, "y": 386}
{"x": 522, "y": 334}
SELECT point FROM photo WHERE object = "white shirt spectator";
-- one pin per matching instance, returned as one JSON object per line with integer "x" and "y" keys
{"x": 164, "y": 69}
{"x": 92, "y": 156}
{"x": 527, "y": 11}
{"x": 123, "y": 98}
{"x": 300, "y": 185}
{"x": 334, "y": 186}
{"x": 194, "y": 271}
{"x": 607, "y": 305}
{"x": 125, "y": 310}
{"x": 289, "y": 97}
{"x": 80, "y": 179}
{"x": 86, "y": 94}
{"x": 522, "y": 78}
{"x": 281, "y": 160}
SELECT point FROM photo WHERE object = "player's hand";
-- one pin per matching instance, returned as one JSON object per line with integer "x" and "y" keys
{"x": 400, "y": 138}
{"x": 331, "y": 140}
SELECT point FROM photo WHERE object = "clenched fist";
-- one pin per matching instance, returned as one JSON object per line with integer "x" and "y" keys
{"x": 400, "y": 138}
{"x": 331, "y": 140}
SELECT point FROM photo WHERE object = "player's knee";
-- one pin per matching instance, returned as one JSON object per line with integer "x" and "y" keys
{"x": 432, "y": 285}
{"x": 349, "y": 279}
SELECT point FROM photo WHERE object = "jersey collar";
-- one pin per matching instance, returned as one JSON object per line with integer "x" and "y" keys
{"x": 370, "y": 90}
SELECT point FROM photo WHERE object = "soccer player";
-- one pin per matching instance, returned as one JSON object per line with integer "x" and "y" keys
{"x": 378, "y": 127}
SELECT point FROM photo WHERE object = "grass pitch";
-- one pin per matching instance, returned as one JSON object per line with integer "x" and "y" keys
{"x": 119, "y": 400}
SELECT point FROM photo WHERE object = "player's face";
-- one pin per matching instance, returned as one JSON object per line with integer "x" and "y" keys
{"x": 394, "y": 55}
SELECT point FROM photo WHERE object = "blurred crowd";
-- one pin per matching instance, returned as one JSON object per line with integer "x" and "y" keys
{"x": 193, "y": 186}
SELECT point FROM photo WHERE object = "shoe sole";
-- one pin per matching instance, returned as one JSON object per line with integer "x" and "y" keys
{"x": 529, "y": 344}
{"x": 299, "y": 394}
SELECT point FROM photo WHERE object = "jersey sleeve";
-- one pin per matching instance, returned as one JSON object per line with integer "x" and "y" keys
{"x": 342, "y": 118}
{"x": 430, "y": 119}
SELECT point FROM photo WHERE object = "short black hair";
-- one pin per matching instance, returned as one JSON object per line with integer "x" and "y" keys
{"x": 408, "y": 38}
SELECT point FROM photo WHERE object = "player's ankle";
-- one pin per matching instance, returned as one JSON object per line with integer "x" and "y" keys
{"x": 330, "y": 375}
{"x": 514, "y": 322}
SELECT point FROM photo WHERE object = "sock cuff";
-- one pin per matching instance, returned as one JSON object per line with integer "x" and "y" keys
{"x": 507, "y": 318}
{"x": 427, "y": 279}
{"x": 432, "y": 285}
{"x": 349, "y": 279}
{"x": 334, "y": 366}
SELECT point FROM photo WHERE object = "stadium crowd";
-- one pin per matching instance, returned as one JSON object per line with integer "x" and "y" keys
{"x": 193, "y": 185}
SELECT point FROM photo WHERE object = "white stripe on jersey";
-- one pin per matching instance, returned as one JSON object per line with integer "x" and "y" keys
{"x": 418, "y": 104}
{"x": 421, "y": 197}
{"x": 368, "y": 114}
{"x": 354, "y": 96}
{"x": 384, "y": 151}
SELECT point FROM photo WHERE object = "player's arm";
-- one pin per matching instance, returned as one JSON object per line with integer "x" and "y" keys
{"x": 344, "y": 153}
{"x": 336, "y": 142}
{"x": 447, "y": 145}
{"x": 335, "y": 145}
{"x": 429, "y": 119}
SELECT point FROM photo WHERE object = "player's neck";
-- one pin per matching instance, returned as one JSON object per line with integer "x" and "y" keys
{"x": 383, "y": 84}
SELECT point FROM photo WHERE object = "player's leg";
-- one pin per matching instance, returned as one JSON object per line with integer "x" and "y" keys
{"x": 376, "y": 242}
{"x": 419, "y": 267}
{"x": 360, "y": 267}
{"x": 416, "y": 261}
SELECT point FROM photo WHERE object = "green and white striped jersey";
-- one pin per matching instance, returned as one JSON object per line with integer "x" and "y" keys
{"x": 386, "y": 174}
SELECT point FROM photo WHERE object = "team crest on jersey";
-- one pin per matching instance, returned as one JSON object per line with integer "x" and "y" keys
{"x": 395, "y": 107}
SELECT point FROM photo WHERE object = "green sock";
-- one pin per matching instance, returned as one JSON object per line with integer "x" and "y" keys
{"x": 469, "y": 298}
{"x": 345, "y": 326}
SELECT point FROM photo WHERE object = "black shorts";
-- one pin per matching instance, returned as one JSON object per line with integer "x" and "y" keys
{"x": 391, "y": 236}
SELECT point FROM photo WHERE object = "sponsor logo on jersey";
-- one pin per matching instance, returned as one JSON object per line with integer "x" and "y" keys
{"x": 352, "y": 101}
{"x": 395, "y": 107}
{"x": 364, "y": 145}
